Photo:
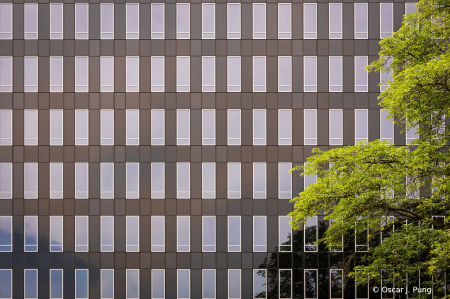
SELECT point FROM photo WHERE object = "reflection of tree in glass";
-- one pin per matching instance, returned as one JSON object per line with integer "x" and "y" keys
{"x": 287, "y": 246}
{"x": 336, "y": 283}
{"x": 310, "y": 284}
{"x": 285, "y": 283}
{"x": 262, "y": 275}
{"x": 310, "y": 238}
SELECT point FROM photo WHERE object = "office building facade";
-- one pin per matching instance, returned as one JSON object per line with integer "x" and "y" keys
{"x": 145, "y": 146}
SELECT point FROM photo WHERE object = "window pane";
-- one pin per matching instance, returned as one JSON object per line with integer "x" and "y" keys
{"x": 308, "y": 180}
{"x": 285, "y": 73}
{"x": 335, "y": 73}
{"x": 208, "y": 73}
{"x": 6, "y": 74}
{"x": 157, "y": 74}
{"x": 5, "y": 180}
{"x": 361, "y": 74}
{"x": 184, "y": 283}
{"x": 81, "y": 180}
{"x": 209, "y": 233}
{"x": 183, "y": 74}
{"x": 6, "y": 21}
{"x": 106, "y": 74}
{"x": 259, "y": 233}
{"x": 234, "y": 20}
{"x": 82, "y": 233}
{"x": 386, "y": 19}
{"x": 361, "y": 21}
{"x": 234, "y": 73}
{"x": 234, "y": 233}
{"x": 106, "y": 180}
{"x": 259, "y": 127}
{"x": 183, "y": 233}
{"x": 30, "y": 127}
{"x": 259, "y": 20}
{"x": 158, "y": 285}
{"x": 234, "y": 127}
{"x": 311, "y": 234}
{"x": 310, "y": 284}
{"x": 107, "y": 233}
{"x": 209, "y": 284}
{"x": 336, "y": 127}
{"x": 81, "y": 283}
{"x": 335, "y": 20}
{"x": 361, "y": 125}
{"x": 132, "y": 127}
{"x": 183, "y": 180}
{"x": 6, "y": 127}
{"x": 260, "y": 283}
{"x": 285, "y": 180}
{"x": 361, "y": 237}
{"x": 234, "y": 180}
{"x": 259, "y": 73}
{"x": 30, "y": 183}
{"x": 56, "y": 283}
{"x": 411, "y": 135}
{"x": 30, "y": 233}
{"x": 56, "y": 233}
{"x": 132, "y": 283}
{"x": 310, "y": 73}
{"x": 30, "y": 284}
{"x": 157, "y": 21}
{"x": 56, "y": 21}
{"x": 284, "y": 20}
{"x": 107, "y": 21}
{"x": 132, "y": 20}
{"x": 285, "y": 283}
{"x": 81, "y": 21}
{"x": 132, "y": 234}
{"x": 208, "y": 180}
{"x": 336, "y": 282}
{"x": 410, "y": 8}
{"x": 234, "y": 284}
{"x": 208, "y": 127}
{"x": 386, "y": 127}
{"x": 158, "y": 180}
{"x": 310, "y": 126}
{"x": 284, "y": 127}
{"x": 259, "y": 180}
{"x": 56, "y": 127}
{"x": 208, "y": 20}
{"x": 183, "y": 20}
{"x": 310, "y": 20}
{"x": 30, "y": 77}
{"x": 285, "y": 233}
{"x": 31, "y": 21}
{"x": 107, "y": 126}
{"x": 56, "y": 74}
{"x": 5, "y": 233}
{"x": 56, "y": 180}
{"x": 107, "y": 284}
{"x": 157, "y": 127}
{"x": 81, "y": 74}
{"x": 132, "y": 74}
{"x": 158, "y": 232}
{"x": 183, "y": 126}
{"x": 132, "y": 180}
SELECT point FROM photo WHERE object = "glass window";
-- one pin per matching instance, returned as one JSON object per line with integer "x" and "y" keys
{"x": 30, "y": 233}
{"x": 132, "y": 284}
{"x": 158, "y": 185}
{"x": 335, "y": 73}
{"x": 284, "y": 20}
{"x": 107, "y": 74}
{"x": 56, "y": 20}
{"x": 308, "y": 180}
{"x": 361, "y": 75}
{"x": 411, "y": 135}
{"x": 157, "y": 21}
{"x": 183, "y": 126}
{"x": 361, "y": 125}
{"x": 183, "y": 73}
{"x": 310, "y": 20}
{"x": 30, "y": 133}
{"x": 158, "y": 284}
{"x": 56, "y": 284}
{"x": 208, "y": 180}
{"x": 285, "y": 278}
{"x": 259, "y": 283}
{"x": 107, "y": 284}
{"x": 31, "y": 76}
{"x": 133, "y": 234}
{"x": 81, "y": 74}
{"x": 81, "y": 127}
{"x": 183, "y": 284}
{"x": 106, "y": 127}
{"x": 5, "y": 127}
{"x": 208, "y": 20}
{"x": 6, "y": 74}
{"x": 208, "y": 74}
{"x": 437, "y": 219}
{"x": 259, "y": 180}
{"x": 132, "y": 126}
{"x": 361, "y": 237}
{"x": 56, "y": 74}
{"x": 361, "y": 21}
{"x": 5, "y": 180}
{"x": 81, "y": 284}
{"x": 259, "y": 73}
{"x": 386, "y": 127}
{"x": 183, "y": 233}
{"x": 157, "y": 126}
{"x": 310, "y": 123}
{"x": 336, "y": 127}
{"x": 209, "y": 284}
{"x": 259, "y": 233}
{"x": 56, "y": 180}
{"x": 410, "y": 7}
{"x": 335, "y": 21}
{"x": 284, "y": 74}
{"x": 362, "y": 291}
{"x": 81, "y": 233}
{"x": 234, "y": 180}
{"x": 5, "y": 283}
{"x": 132, "y": 74}
{"x": 234, "y": 283}
{"x": 56, "y": 127}
{"x": 56, "y": 233}
{"x": 259, "y": 126}
{"x": 208, "y": 127}
{"x": 234, "y": 127}
{"x": 311, "y": 284}
{"x": 30, "y": 283}
{"x": 5, "y": 233}
{"x": 158, "y": 233}
{"x": 106, "y": 180}
{"x": 284, "y": 180}
{"x": 285, "y": 233}
{"x": 81, "y": 21}
{"x": 234, "y": 233}
{"x": 183, "y": 180}
{"x": 157, "y": 73}
{"x": 310, "y": 73}
{"x": 132, "y": 20}
{"x": 183, "y": 20}
{"x": 284, "y": 127}
{"x": 336, "y": 283}
{"x": 311, "y": 233}
{"x": 386, "y": 19}
{"x": 259, "y": 20}
{"x": 6, "y": 10}
{"x": 132, "y": 183}
{"x": 30, "y": 15}
{"x": 208, "y": 233}
{"x": 107, "y": 233}
{"x": 233, "y": 20}
{"x": 107, "y": 21}
{"x": 385, "y": 76}
{"x": 234, "y": 73}
{"x": 30, "y": 180}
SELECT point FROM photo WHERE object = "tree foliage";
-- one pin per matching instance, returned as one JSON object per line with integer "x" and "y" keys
{"x": 373, "y": 188}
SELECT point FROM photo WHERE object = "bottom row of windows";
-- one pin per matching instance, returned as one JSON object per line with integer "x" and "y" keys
{"x": 183, "y": 283}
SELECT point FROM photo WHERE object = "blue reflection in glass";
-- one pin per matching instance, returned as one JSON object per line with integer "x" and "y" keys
{"x": 5, "y": 284}
{"x": 82, "y": 283}
{"x": 133, "y": 283}
{"x": 31, "y": 277}
{"x": 157, "y": 284}
{"x": 56, "y": 283}
{"x": 183, "y": 284}
{"x": 209, "y": 284}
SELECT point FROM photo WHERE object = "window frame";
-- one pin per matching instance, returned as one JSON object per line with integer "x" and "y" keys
{"x": 153, "y": 139}
{"x": 208, "y": 87}
{"x": 154, "y": 195}
{"x": 317, "y": 283}
{"x": 180, "y": 113}
{"x": 340, "y": 87}
{"x": 384, "y": 34}
{"x": 32, "y": 169}
{"x": 8, "y": 193}
{"x": 56, "y": 140}
{"x": 240, "y": 180}
{"x": 385, "y": 113}
{"x": 4, "y": 87}
{"x": 110, "y": 228}
{"x": 62, "y": 283}
{"x": 106, "y": 34}
{"x": 180, "y": 195}
{"x": 132, "y": 115}
{"x": 214, "y": 246}
{"x": 27, "y": 87}
{"x": 262, "y": 140}
{"x": 358, "y": 127}
{"x": 155, "y": 87}
{"x": 59, "y": 35}
{"x": 306, "y": 126}
{"x": 205, "y": 34}
{"x": 313, "y": 34}
{"x": 307, "y": 247}
{"x": 56, "y": 166}
{"x": 342, "y": 285}
{"x": 260, "y": 87}
{"x": 61, "y": 219}
{"x": 232, "y": 87}
{"x": 101, "y": 283}
{"x": 155, "y": 34}
{"x": 280, "y": 119}
{"x": 4, "y": 248}
{"x": 286, "y": 87}
{"x": 255, "y": 178}
{"x": 6, "y": 34}
{"x": 256, "y": 34}
{"x": 25, "y": 284}
{"x": 288, "y": 34}
{"x": 204, "y": 139}
{"x": 129, "y": 34}
{"x": 136, "y": 230}
{"x": 230, "y": 34}
{"x": 309, "y": 87}
{"x": 179, "y": 225}
{"x": 178, "y": 281}
{"x": 180, "y": 34}
{"x": 255, "y": 271}
{"x": 36, "y": 219}
{"x": 203, "y": 283}
{"x": 361, "y": 34}
{"x": 329, "y": 21}
{"x": 265, "y": 234}
{"x": 129, "y": 64}
{"x": 78, "y": 34}
{"x": 279, "y": 282}
{"x": 280, "y": 245}
{"x": 238, "y": 247}
{"x": 87, "y": 281}
{"x": 107, "y": 115}
{"x": 138, "y": 283}
{"x": 164, "y": 283}
{"x": 280, "y": 179}
{"x": 228, "y": 128}
{"x": 77, "y": 246}
{"x": 240, "y": 283}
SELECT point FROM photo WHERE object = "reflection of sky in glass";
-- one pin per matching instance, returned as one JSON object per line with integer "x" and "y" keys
{"x": 209, "y": 284}
{"x": 132, "y": 18}
{"x": 5, "y": 284}
{"x": 183, "y": 17}
{"x": 285, "y": 122}
{"x": 5, "y": 231}
{"x": 107, "y": 17}
{"x": 81, "y": 230}
{"x": 157, "y": 283}
{"x": 183, "y": 177}
{"x": 285, "y": 230}
{"x": 56, "y": 283}
{"x": 107, "y": 230}
{"x": 259, "y": 283}
{"x": 183, "y": 284}
{"x": 157, "y": 124}
{"x": 132, "y": 283}
{"x": 208, "y": 17}
{"x": 208, "y": 176}
{"x": 260, "y": 177}
{"x": 234, "y": 176}
{"x": 56, "y": 230}
{"x": 158, "y": 230}
{"x": 209, "y": 231}
{"x": 234, "y": 124}
{"x": 234, "y": 17}
{"x": 259, "y": 70}
{"x": 107, "y": 281}
{"x": 158, "y": 18}
{"x": 81, "y": 287}
{"x": 133, "y": 177}
{"x": 157, "y": 176}
{"x": 234, "y": 234}
{"x": 285, "y": 177}
{"x": 259, "y": 231}
{"x": 183, "y": 230}
{"x": 234, "y": 282}
{"x": 259, "y": 17}
{"x": 107, "y": 177}
{"x": 208, "y": 70}
{"x": 259, "y": 123}
{"x": 183, "y": 123}
{"x": 30, "y": 283}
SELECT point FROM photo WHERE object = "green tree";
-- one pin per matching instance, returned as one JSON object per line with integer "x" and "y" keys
{"x": 361, "y": 187}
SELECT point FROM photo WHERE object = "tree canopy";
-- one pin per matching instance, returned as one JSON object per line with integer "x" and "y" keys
{"x": 397, "y": 196}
